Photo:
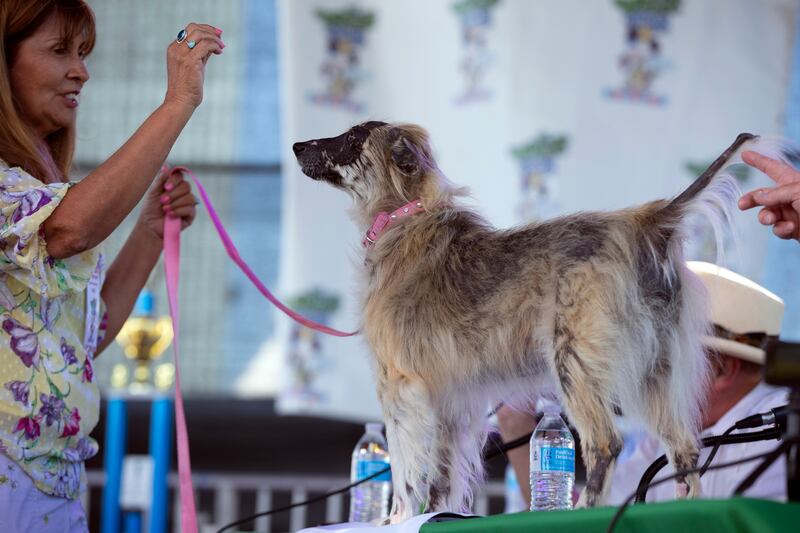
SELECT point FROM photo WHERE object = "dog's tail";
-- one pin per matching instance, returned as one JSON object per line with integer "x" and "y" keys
{"x": 715, "y": 193}
{"x": 664, "y": 275}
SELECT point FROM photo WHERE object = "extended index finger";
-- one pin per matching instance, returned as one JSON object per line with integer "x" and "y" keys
{"x": 747, "y": 201}
{"x": 779, "y": 171}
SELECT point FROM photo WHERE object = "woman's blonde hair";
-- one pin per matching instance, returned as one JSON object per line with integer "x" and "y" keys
{"x": 19, "y": 19}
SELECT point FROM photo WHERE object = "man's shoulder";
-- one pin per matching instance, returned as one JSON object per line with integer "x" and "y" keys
{"x": 772, "y": 396}
{"x": 762, "y": 398}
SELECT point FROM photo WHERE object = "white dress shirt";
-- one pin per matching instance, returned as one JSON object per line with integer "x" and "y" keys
{"x": 641, "y": 449}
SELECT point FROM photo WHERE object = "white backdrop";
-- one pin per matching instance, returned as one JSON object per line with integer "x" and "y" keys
{"x": 620, "y": 104}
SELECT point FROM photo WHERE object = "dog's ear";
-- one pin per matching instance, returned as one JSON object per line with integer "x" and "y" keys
{"x": 405, "y": 155}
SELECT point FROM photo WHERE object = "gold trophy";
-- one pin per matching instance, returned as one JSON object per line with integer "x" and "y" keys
{"x": 144, "y": 339}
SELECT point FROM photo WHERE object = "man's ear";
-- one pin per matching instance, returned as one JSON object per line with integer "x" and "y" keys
{"x": 726, "y": 372}
{"x": 405, "y": 156}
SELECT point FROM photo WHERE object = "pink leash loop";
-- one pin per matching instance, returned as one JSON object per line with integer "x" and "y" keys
{"x": 172, "y": 259}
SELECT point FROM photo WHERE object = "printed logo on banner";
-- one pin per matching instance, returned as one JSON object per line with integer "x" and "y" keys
{"x": 642, "y": 60}
{"x": 476, "y": 22}
{"x": 702, "y": 245}
{"x": 538, "y": 188}
{"x": 342, "y": 69}
{"x": 305, "y": 358}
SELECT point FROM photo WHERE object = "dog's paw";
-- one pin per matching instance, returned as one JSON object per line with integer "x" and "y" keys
{"x": 395, "y": 518}
{"x": 689, "y": 489}
{"x": 581, "y": 504}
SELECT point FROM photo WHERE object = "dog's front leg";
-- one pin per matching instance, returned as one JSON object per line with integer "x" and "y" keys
{"x": 409, "y": 430}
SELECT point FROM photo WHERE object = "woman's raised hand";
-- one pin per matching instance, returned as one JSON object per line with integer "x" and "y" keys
{"x": 186, "y": 63}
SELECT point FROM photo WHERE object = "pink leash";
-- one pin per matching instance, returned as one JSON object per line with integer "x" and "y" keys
{"x": 172, "y": 264}
{"x": 172, "y": 260}
{"x": 234, "y": 255}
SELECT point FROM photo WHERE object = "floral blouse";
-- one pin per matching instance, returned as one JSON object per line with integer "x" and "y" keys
{"x": 50, "y": 324}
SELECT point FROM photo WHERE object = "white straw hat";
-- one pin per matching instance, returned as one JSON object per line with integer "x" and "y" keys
{"x": 746, "y": 316}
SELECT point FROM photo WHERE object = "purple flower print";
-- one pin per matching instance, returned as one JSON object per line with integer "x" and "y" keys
{"x": 65, "y": 479}
{"x": 85, "y": 449}
{"x": 29, "y": 426}
{"x": 71, "y": 424}
{"x": 88, "y": 371}
{"x": 7, "y": 300}
{"x": 23, "y": 342}
{"x": 68, "y": 353}
{"x": 29, "y": 201}
{"x": 50, "y": 312}
{"x": 20, "y": 390}
{"x": 51, "y": 409}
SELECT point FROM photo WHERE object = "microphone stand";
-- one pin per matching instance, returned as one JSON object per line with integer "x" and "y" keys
{"x": 790, "y": 448}
{"x": 735, "y": 438}
{"x": 793, "y": 448}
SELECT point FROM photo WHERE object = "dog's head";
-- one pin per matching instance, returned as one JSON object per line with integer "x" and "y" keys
{"x": 382, "y": 166}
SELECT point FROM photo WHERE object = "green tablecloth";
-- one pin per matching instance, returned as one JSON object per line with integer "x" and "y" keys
{"x": 698, "y": 516}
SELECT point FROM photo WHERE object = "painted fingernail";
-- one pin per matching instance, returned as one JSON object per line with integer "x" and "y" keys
{"x": 169, "y": 186}
{"x": 165, "y": 168}
{"x": 222, "y": 43}
{"x": 164, "y": 199}
{"x": 218, "y": 31}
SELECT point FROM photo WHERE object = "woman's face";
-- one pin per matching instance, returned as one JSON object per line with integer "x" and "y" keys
{"x": 47, "y": 75}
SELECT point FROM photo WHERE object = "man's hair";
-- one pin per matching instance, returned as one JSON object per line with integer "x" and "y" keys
{"x": 747, "y": 367}
{"x": 19, "y": 19}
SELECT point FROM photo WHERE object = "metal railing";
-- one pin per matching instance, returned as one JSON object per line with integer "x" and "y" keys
{"x": 227, "y": 490}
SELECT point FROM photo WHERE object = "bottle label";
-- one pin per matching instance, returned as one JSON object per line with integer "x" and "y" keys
{"x": 552, "y": 459}
{"x": 367, "y": 468}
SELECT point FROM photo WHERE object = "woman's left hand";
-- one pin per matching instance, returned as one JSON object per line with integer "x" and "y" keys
{"x": 170, "y": 195}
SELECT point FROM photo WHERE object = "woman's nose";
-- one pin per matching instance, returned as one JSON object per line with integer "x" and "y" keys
{"x": 78, "y": 71}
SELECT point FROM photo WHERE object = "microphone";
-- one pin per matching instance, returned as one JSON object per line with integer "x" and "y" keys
{"x": 773, "y": 417}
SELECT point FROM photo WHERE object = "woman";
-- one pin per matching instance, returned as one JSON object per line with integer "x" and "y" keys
{"x": 58, "y": 306}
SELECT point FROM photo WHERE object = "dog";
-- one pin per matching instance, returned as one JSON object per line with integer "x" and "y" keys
{"x": 597, "y": 308}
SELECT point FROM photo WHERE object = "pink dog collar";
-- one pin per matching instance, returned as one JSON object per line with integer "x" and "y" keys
{"x": 384, "y": 219}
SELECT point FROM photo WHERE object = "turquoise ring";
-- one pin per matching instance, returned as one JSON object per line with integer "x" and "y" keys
{"x": 181, "y": 36}
{"x": 191, "y": 44}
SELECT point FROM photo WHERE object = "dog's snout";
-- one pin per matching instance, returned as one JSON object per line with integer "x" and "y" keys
{"x": 299, "y": 148}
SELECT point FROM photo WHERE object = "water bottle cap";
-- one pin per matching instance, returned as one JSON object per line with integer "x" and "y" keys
{"x": 551, "y": 408}
{"x": 144, "y": 304}
{"x": 374, "y": 427}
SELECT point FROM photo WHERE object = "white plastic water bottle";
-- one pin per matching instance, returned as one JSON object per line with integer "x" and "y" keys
{"x": 552, "y": 463}
{"x": 369, "y": 501}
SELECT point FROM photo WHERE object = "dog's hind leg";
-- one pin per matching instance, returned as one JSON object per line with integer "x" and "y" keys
{"x": 409, "y": 430}
{"x": 600, "y": 442}
{"x": 682, "y": 451}
{"x": 673, "y": 423}
{"x": 587, "y": 399}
